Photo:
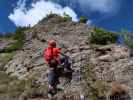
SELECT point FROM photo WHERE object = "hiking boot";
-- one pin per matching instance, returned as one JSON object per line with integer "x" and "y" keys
{"x": 51, "y": 93}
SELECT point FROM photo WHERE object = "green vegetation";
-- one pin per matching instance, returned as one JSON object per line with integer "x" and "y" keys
{"x": 59, "y": 18}
{"x": 13, "y": 88}
{"x": 18, "y": 36}
{"x": 51, "y": 15}
{"x": 102, "y": 37}
{"x": 4, "y": 59}
{"x": 83, "y": 19}
{"x": 94, "y": 88}
{"x": 127, "y": 38}
{"x": 66, "y": 17}
{"x": 7, "y": 56}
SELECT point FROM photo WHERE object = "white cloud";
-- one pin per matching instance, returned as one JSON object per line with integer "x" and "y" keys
{"x": 40, "y": 8}
{"x": 24, "y": 17}
{"x": 102, "y": 6}
{"x": 21, "y": 3}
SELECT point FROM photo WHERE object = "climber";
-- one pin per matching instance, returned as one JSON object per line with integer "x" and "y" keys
{"x": 54, "y": 57}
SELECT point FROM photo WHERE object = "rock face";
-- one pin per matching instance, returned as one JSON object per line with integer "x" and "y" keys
{"x": 70, "y": 36}
{"x": 112, "y": 62}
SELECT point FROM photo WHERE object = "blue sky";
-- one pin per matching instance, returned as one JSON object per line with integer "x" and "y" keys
{"x": 113, "y": 15}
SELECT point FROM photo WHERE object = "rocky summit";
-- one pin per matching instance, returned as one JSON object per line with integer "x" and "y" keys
{"x": 111, "y": 62}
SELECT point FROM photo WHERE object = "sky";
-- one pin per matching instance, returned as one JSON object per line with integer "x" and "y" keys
{"x": 113, "y": 15}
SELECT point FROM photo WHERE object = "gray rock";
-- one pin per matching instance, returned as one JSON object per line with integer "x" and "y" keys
{"x": 112, "y": 62}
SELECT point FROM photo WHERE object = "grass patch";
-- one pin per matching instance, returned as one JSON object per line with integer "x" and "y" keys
{"x": 16, "y": 46}
{"x": 7, "y": 56}
{"x": 4, "y": 59}
{"x": 15, "y": 89}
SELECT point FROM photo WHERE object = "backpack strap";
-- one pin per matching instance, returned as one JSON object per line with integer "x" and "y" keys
{"x": 52, "y": 54}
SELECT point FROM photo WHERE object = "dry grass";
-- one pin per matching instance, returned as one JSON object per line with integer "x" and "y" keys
{"x": 15, "y": 89}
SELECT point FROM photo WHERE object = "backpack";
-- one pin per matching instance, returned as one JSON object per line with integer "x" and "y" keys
{"x": 51, "y": 55}
{"x": 66, "y": 61}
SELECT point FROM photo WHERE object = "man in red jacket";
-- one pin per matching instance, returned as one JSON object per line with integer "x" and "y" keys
{"x": 52, "y": 55}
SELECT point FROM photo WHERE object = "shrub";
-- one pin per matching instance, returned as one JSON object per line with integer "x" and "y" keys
{"x": 102, "y": 37}
{"x": 67, "y": 17}
{"x": 51, "y": 15}
{"x": 83, "y": 19}
{"x": 127, "y": 38}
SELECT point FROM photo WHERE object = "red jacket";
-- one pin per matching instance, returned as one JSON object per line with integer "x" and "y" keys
{"x": 52, "y": 53}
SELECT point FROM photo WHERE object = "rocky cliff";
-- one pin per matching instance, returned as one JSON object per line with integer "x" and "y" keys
{"x": 111, "y": 62}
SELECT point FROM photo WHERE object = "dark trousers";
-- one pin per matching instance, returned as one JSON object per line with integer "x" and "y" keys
{"x": 54, "y": 74}
{"x": 53, "y": 78}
